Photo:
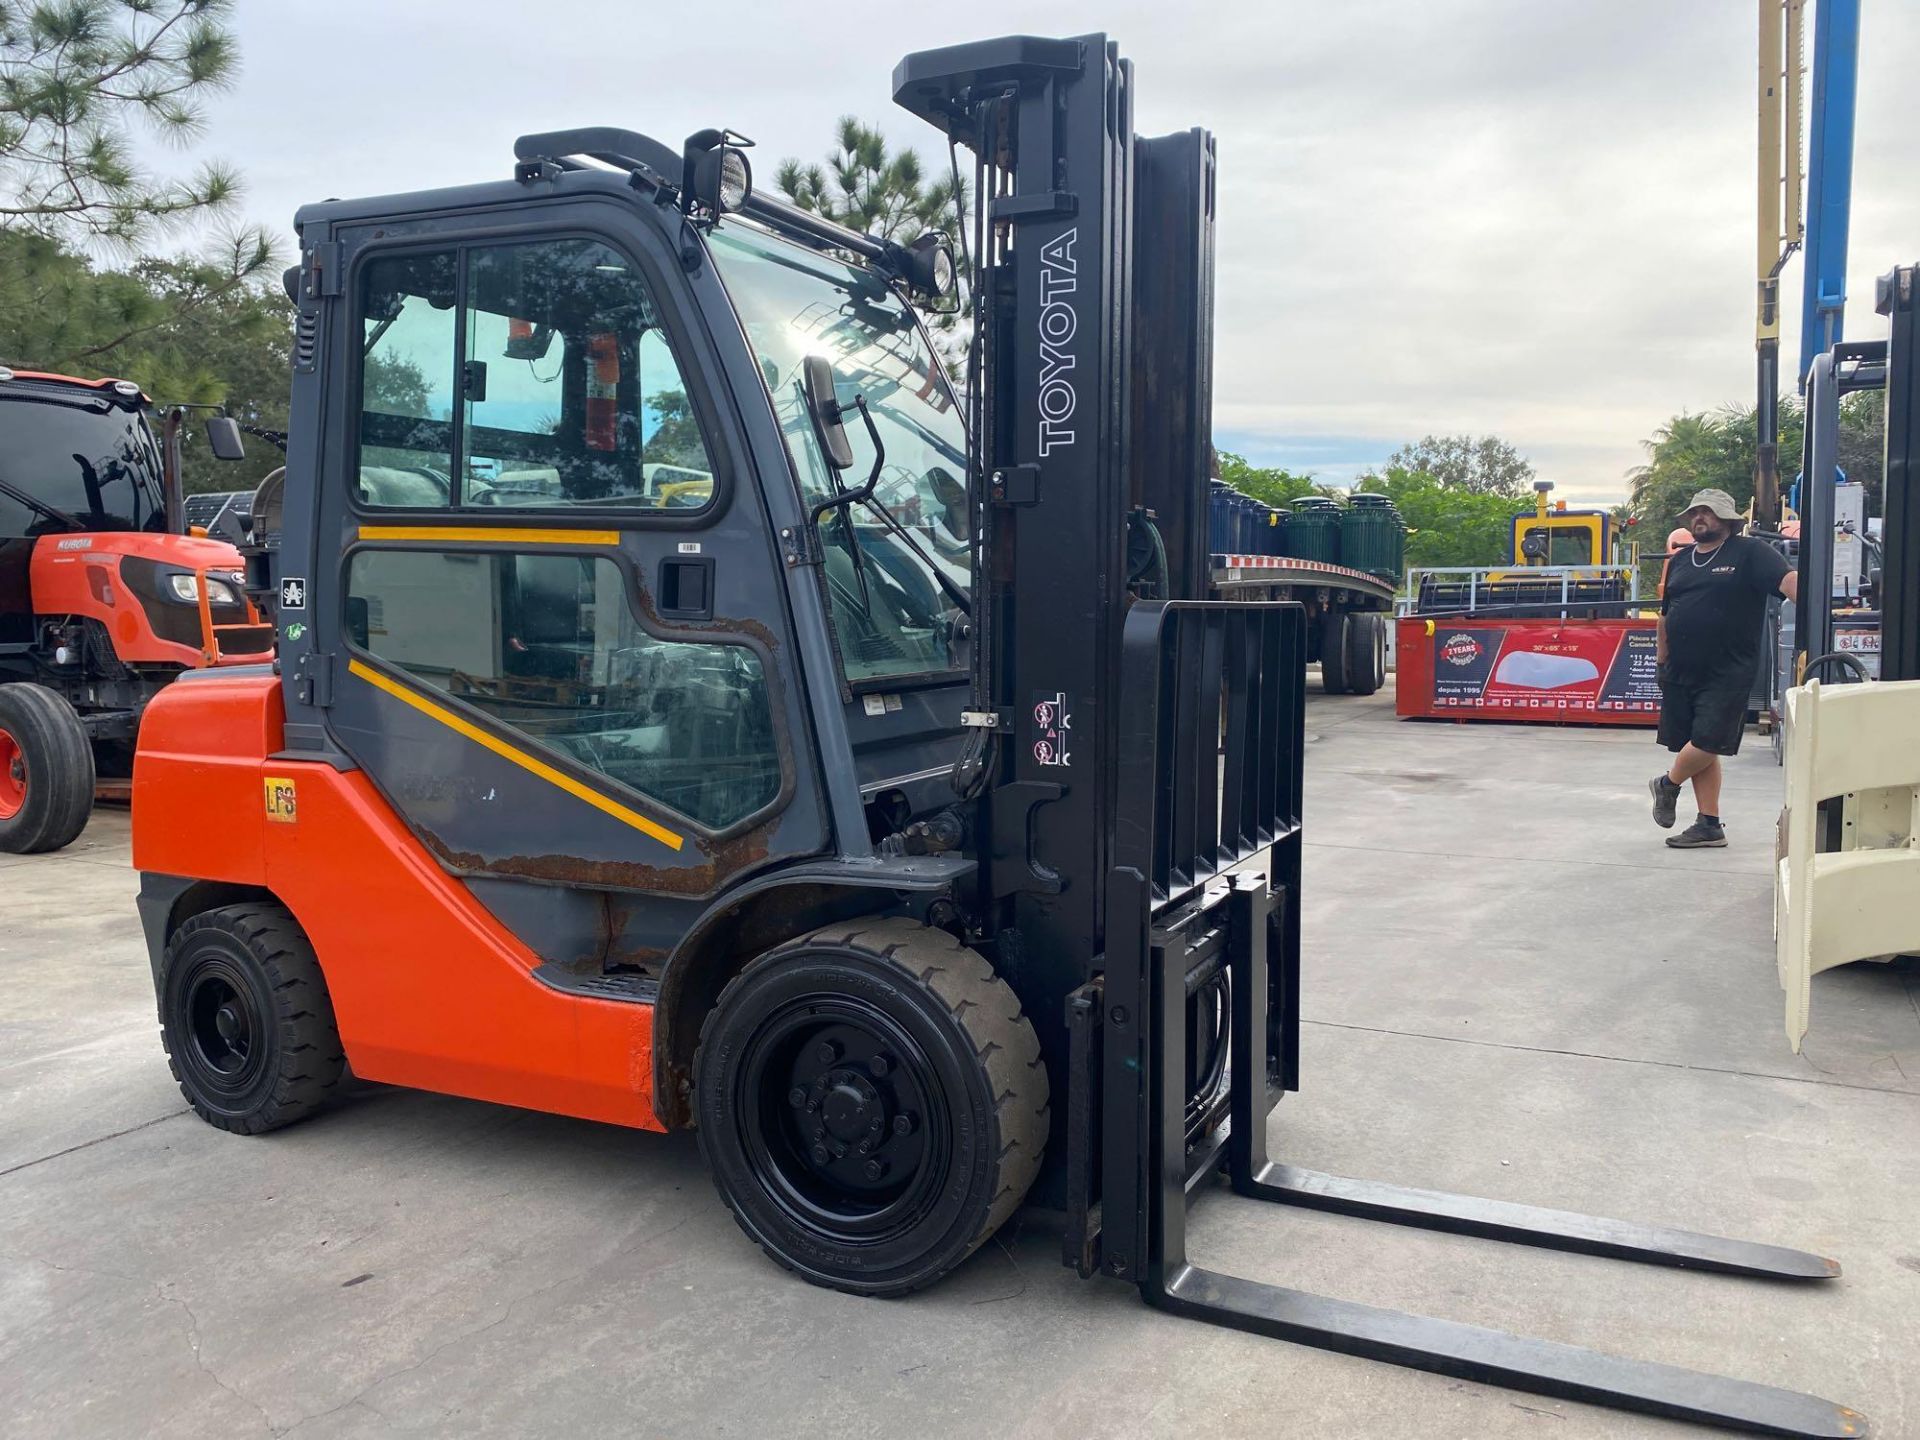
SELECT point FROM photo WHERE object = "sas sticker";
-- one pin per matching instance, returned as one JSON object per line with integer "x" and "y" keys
{"x": 280, "y": 801}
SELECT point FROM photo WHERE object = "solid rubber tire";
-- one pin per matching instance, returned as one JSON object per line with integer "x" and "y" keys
{"x": 265, "y": 945}
{"x": 59, "y": 762}
{"x": 951, "y": 999}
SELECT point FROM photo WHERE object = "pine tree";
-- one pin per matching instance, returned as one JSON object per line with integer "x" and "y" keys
{"x": 78, "y": 79}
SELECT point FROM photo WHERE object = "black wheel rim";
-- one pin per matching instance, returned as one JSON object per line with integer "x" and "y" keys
{"x": 844, "y": 1120}
{"x": 225, "y": 1039}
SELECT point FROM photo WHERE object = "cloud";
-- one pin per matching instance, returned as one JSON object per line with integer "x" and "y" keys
{"x": 1501, "y": 216}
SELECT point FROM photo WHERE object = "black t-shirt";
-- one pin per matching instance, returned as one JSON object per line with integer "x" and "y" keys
{"x": 1716, "y": 607}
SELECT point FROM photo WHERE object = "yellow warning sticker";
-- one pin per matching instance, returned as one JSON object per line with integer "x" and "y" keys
{"x": 280, "y": 801}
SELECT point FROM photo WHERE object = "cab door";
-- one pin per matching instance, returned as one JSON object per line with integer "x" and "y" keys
{"x": 555, "y": 623}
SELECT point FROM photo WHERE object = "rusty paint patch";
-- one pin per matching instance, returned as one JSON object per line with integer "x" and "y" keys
{"x": 720, "y": 860}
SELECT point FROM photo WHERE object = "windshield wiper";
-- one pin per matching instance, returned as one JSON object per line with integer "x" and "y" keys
{"x": 864, "y": 496}
{"x": 954, "y": 592}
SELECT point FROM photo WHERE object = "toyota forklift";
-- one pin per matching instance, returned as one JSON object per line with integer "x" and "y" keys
{"x": 104, "y": 595}
{"x": 718, "y": 722}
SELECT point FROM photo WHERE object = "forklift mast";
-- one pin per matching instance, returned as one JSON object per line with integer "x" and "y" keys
{"x": 1900, "y": 533}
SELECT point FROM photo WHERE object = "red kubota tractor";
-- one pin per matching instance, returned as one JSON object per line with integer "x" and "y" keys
{"x": 103, "y": 597}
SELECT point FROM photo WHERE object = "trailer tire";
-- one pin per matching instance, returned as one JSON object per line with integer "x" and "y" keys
{"x": 46, "y": 771}
{"x": 246, "y": 1019}
{"x": 1334, "y": 676}
{"x": 882, "y": 1033}
{"x": 1366, "y": 653}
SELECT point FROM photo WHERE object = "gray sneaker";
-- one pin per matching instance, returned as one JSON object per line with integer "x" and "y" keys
{"x": 1701, "y": 835}
{"x": 1666, "y": 795}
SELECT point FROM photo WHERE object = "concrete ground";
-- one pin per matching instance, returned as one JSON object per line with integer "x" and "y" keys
{"x": 1512, "y": 989}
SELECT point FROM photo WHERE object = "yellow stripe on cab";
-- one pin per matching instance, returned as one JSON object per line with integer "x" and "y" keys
{"x": 525, "y": 761}
{"x": 487, "y": 535}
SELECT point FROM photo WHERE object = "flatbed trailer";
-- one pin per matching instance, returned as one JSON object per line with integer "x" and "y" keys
{"x": 1347, "y": 611}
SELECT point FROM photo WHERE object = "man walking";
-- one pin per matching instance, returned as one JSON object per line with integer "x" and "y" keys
{"x": 1712, "y": 613}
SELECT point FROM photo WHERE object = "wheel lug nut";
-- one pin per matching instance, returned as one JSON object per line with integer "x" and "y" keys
{"x": 796, "y": 1097}
{"x": 840, "y": 1149}
{"x": 874, "y": 1169}
{"x": 879, "y": 1065}
{"x": 828, "y": 1052}
{"x": 865, "y": 1146}
{"x": 903, "y": 1124}
{"x": 819, "y": 1154}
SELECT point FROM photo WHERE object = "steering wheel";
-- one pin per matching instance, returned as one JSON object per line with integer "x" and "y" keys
{"x": 1839, "y": 657}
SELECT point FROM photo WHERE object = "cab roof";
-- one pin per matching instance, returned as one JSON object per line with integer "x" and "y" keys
{"x": 108, "y": 386}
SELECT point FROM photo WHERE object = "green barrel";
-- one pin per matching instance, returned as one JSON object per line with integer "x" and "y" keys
{"x": 1373, "y": 537}
{"x": 1313, "y": 531}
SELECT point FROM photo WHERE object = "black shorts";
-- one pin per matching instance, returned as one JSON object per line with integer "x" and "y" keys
{"x": 1711, "y": 713}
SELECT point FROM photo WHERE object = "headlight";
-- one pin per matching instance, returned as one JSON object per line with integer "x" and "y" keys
{"x": 187, "y": 588}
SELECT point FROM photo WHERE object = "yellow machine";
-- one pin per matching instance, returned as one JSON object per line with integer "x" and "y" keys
{"x": 1554, "y": 535}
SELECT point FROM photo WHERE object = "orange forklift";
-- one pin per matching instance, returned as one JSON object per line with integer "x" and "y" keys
{"x": 690, "y": 712}
{"x": 104, "y": 597}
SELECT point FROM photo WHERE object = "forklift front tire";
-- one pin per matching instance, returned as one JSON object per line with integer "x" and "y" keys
{"x": 46, "y": 771}
{"x": 871, "y": 1103}
{"x": 246, "y": 1019}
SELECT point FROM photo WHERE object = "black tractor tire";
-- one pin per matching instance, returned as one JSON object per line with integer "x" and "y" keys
{"x": 246, "y": 1019}
{"x": 1334, "y": 660}
{"x": 46, "y": 771}
{"x": 877, "y": 1033}
{"x": 1366, "y": 650}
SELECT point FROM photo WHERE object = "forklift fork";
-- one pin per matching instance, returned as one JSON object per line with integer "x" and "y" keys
{"x": 1203, "y": 891}
{"x": 1171, "y": 1282}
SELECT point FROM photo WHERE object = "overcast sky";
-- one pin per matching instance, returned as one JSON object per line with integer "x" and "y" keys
{"x": 1529, "y": 217}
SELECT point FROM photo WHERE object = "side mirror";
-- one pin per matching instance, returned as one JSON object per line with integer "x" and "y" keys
{"x": 223, "y": 435}
{"x": 823, "y": 407}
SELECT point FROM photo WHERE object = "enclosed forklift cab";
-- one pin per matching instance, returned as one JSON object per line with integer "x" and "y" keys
{"x": 692, "y": 712}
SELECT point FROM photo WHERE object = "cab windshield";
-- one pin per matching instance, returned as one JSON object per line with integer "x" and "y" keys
{"x": 892, "y": 615}
{"x": 92, "y": 461}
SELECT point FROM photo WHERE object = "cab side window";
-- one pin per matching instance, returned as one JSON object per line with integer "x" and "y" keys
{"x": 547, "y": 645}
{"x": 527, "y": 375}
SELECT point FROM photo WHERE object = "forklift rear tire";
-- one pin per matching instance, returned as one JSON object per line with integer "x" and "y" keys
{"x": 871, "y": 1103}
{"x": 1334, "y": 659}
{"x": 246, "y": 1019}
{"x": 46, "y": 771}
{"x": 1366, "y": 652}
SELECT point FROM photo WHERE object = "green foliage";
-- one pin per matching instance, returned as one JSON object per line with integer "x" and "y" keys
{"x": 868, "y": 187}
{"x": 76, "y": 77}
{"x": 1448, "y": 523}
{"x": 187, "y": 331}
{"x": 673, "y": 434}
{"x": 1271, "y": 486}
{"x": 80, "y": 80}
{"x": 1717, "y": 450}
{"x": 1479, "y": 464}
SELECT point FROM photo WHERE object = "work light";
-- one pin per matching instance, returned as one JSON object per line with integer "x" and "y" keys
{"x": 927, "y": 266}
{"x": 717, "y": 174}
